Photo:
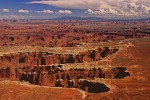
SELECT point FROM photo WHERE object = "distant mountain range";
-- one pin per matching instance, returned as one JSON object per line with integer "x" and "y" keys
{"x": 89, "y": 19}
{"x": 97, "y": 19}
{"x": 79, "y": 18}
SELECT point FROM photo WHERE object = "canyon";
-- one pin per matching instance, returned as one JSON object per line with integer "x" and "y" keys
{"x": 93, "y": 60}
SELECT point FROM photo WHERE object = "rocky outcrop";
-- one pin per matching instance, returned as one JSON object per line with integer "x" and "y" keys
{"x": 37, "y": 68}
{"x": 5, "y": 72}
{"x": 29, "y": 60}
{"x": 60, "y": 40}
{"x": 47, "y": 75}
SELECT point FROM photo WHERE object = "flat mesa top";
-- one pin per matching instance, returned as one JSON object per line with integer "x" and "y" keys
{"x": 54, "y": 50}
{"x": 66, "y": 50}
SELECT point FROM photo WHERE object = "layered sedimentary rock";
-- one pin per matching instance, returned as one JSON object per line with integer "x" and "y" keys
{"x": 30, "y": 59}
{"x": 60, "y": 40}
{"x": 35, "y": 68}
{"x": 5, "y": 72}
{"x": 47, "y": 75}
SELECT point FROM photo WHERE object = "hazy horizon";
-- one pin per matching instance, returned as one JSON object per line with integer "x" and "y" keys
{"x": 49, "y": 9}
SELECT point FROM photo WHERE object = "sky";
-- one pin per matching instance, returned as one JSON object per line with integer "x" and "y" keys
{"x": 48, "y": 9}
